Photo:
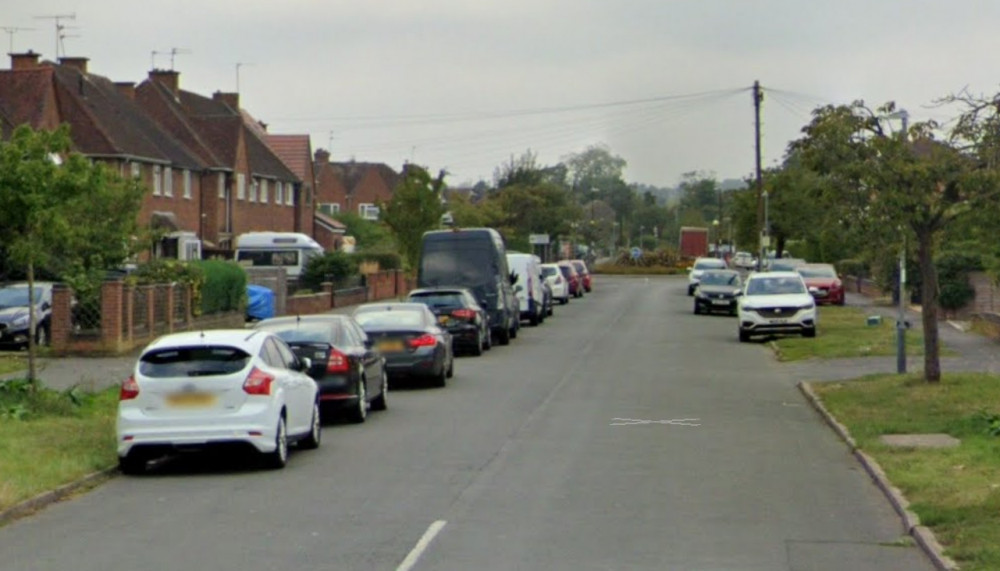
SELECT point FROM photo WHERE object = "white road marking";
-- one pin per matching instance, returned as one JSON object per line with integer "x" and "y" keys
{"x": 639, "y": 421}
{"x": 422, "y": 545}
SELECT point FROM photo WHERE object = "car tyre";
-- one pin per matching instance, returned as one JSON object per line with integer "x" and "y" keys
{"x": 477, "y": 349}
{"x": 811, "y": 332}
{"x": 132, "y": 465}
{"x": 381, "y": 402}
{"x": 279, "y": 458}
{"x": 360, "y": 413}
{"x": 697, "y": 309}
{"x": 312, "y": 441}
{"x": 440, "y": 379}
{"x": 451, "y": 367}
{"x": 744, "y": 336}
{"x": 534, "y": 320}
{"x": 690, "y": 290}
{"x": 564, "y": 300}
{"x": 488, "y": 340}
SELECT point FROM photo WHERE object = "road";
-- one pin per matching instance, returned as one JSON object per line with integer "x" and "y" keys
{"x": 624, "y": 433}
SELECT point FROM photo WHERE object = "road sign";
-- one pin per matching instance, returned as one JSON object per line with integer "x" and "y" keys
{"x": 538, "y": 238}
{"x": 636, "y": 252}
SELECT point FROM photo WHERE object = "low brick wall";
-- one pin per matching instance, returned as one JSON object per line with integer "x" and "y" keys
{"x": 988, "y": 324}
{"x": 353, "y": 296}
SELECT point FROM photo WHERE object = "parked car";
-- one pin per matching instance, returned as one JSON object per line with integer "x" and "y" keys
{"x": 823, "y": 282}
{"x": 785, "y": 264}
{"x": 459, "y": 313}
{"x": 581, "y": 268}
{"x": 744, "y": 260}
{"x": 410, "y": 338}
{"x": 201, "y": 389}
{"x": 717, "y": 291}
{"x": 528, "y": 286}
{"x": 776, "y": 302}
{"x": 700, "y": 266}
{"x": 349, "y": 371}
{"x": 475, "y": 258}
{"x": 572, "y": 278}
{"x": 558, "y": 283}
{"x": 15, "y": 311}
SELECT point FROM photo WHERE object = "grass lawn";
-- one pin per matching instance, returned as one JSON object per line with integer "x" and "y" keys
{"x": 50, "y": 438}
{"x": 956, "y": 491}
{"x": 12, "y": 363}
{"x": 842, "y": 332}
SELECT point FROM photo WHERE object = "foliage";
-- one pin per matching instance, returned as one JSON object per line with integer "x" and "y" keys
{"x": 165, "y": 271}
{"x": 852, "y": 267}
{"x": 330, "y": 267}
{"x": 225, "y": 286}
{"x": 368, "y": 234}
{"x": 385, "y": 260}
{"x": 666, "y": 257}
{"x": 21, "y": 400}
{"x": 415, "y": 208}
{"x": 953, "y": 268}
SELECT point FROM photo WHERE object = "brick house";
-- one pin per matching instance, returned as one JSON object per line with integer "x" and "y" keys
{"x": 107, "y": 126}
{"x": 352, "y": 186}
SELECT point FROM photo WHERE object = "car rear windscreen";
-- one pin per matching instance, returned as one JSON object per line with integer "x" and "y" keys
{"x": 199, "y": 361}
{"x": 438, "y": 299}
{"x": 549, "y": 271}
{"x": 310, "y": 333}
{"x": 393, "y": 318}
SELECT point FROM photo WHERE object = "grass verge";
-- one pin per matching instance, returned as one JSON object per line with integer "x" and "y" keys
{"x": 842, "y": 332}
{"x": 51, "y": 438}
{"x": 615, "y": 269}
{"x": 954, "y": 491}
{"x": 12, "y": 363}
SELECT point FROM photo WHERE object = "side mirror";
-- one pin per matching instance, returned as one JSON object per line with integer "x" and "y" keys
{"x": 513, "y": 278}
{"x": 305, "y": 363}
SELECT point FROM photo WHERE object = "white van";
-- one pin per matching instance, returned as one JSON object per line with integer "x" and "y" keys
{"x": 528, "y": 287}
{"x": 288, "y": 250}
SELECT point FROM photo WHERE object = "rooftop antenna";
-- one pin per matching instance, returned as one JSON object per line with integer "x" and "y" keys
{"x": 58, "y": 18}
{"x": 238, "y": 66}
{"x": 11, "y": 30}
{"x": 63, "y": 36}
{"x": 174, "y": 52}
{"x": 152, "y": 57}
{"x": 329, "y": 143}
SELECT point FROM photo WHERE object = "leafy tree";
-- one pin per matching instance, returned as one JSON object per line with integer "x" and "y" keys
{"x": 415, "y": 208}
{"x": 61, "y": 213}
{"x": 888, "y": 188}
{"x": 369, "y": 235}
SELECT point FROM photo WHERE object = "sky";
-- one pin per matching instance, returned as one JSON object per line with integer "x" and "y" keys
{"x": 464, "y": 85}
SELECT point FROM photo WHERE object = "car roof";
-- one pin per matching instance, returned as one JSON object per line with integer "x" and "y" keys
{"x": 778, "y": 274}
{"x": 250, "y": 339}
{"x": 817, "y": 266}
{"x": 391, "y": 306}
{"x": 294, "y": 319}
{"x": 441, "y": 289}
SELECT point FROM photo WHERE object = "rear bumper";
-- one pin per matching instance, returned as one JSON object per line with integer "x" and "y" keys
{"x": 421, "y": 362}
{"x": 254, "y": 425}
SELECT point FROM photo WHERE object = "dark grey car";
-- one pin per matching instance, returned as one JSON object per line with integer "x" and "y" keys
{"x": 717, "y": 291}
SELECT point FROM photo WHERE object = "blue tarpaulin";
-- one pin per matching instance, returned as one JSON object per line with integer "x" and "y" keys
{"x": 260, "y": 302}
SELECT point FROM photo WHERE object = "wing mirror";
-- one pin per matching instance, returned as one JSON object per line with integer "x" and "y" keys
{"x": 305, "y": 363}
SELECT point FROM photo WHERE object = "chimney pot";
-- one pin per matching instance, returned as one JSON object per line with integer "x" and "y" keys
{"x": 126, "y": 88}
{"x": 77, "y": 63}
{"x": 322, "y": 156}
{"x": 26, "y": 60}
{"x": 167, "y": 78}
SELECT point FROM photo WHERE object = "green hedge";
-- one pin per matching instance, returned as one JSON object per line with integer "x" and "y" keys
{"x": 331, "y": 266}
{"x": 225, "y": 286}
{"x": 385, "y": 260}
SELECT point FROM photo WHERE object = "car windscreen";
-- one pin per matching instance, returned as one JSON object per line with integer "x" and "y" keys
{"x": 720, "y": 278}
{"x": 775, "y": 286}
{"x": 17, "y": 296}
{"x": 268, "y": 257}
{"x": 709, "y": 265}
{"x": 581, "y": 268}
{"x": 817, "y": 272}
{"x": 390, "y": 318}
{"x": 207, "y": 360}
{"x": 438, "y": 299}
{"x": 466, "y": 264}
{"x": 549, "y": 271}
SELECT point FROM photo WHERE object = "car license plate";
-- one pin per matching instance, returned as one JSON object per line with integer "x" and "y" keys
{"x": 191, "y": 400}
{"x": 778, "y": 321}
{"x": 442, "y": 319}
{"x": 720, "y": 301}
{"x": 393, "y": 346}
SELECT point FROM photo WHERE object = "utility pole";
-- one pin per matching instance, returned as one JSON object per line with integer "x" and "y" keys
{"x": 758, "y": 97}
{"x": 901, "y": 318}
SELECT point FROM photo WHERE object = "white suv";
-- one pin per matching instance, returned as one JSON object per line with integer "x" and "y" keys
{"x": 699, "y": 267}
{"x": 776, "y": 302}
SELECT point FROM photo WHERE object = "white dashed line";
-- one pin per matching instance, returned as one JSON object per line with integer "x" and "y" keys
{"x": 422, "y": 545}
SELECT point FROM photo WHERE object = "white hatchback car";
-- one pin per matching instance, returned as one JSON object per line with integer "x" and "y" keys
{"x": 560, "y": 287}
{"x": 776, "y": 302}
{"x": 700, "y": 265}
{"x": 196, "y": 390}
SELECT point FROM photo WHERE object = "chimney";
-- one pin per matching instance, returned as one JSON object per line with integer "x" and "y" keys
{"x": 230, "y": 99}
{"x": 126, "y": 88}
{"x": 167, "y": 78}
{"x": 27, "y": 60}
{"x": 322, "y": 156}
{"x": 77, "y": 63}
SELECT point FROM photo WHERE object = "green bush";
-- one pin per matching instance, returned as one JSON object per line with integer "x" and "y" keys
{"x": 224, "y": 288}
{"x": 852, "y": 267}
{"x": 385, "y": 260}
{"x": 953, "y": 278}
{"x": 330, "y": 267}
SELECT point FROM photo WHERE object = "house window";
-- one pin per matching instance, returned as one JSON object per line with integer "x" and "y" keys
{"x": 168, "y": 181}
{"x": 290, "y": 195}
{"x": 263, "y": 190}
{"x": 368, "y": 211}
{"x": 329, "y": 208}
{"x": 254, "y": 188}
{"x": 241, "y": 186}
{"x": 157, "y": 180}
{"x": 187, "y": 184}
{"x": 136, "y": 170}
{"x": 222, "y": 185}
{"x": 279, "y": 192}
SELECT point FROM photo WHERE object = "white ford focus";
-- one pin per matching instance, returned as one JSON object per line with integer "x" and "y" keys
{"x": 196, "y": 390}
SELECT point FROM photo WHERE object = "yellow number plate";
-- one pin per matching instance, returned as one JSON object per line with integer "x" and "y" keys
{"x": 191, "y": 400}
{"x": 442, "y": 319}
{"x": 390, "y": 346}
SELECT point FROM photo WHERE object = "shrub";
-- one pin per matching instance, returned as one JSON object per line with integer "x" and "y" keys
{"x": 331, "y": 266}
{"x": 224, "y": 288}
{"x": 953, "y": 278}
{"x": 385, "y": 260}
{"x": 161, "y": 271}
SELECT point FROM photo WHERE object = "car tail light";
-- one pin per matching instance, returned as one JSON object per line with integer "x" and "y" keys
{"x": 464, "y": 314}
{"x": 425, "y": 340}
{"x": 129, "y": 390}
{"x": 258, "y": 383}
{"x": 337, "y": 362}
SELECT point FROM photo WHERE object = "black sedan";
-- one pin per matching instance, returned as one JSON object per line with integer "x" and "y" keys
{"x": 409, "y": 337}
{"x": 457, "y": 311}
{"x": 717, "y": 290}
{"x": 349, "y": 371}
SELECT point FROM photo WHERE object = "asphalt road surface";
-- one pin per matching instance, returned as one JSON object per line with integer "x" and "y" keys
{"x": 623, "y": 433}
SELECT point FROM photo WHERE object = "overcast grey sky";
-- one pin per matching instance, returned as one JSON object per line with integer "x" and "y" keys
{"x": 464, "y": 84}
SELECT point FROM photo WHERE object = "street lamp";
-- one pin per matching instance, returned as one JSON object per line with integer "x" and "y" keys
{"x": 715, "y": 225}
{"x": 904, "y": 117}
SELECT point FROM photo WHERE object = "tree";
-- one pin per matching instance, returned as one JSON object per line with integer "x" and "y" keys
{"x": 415, "y": 208}
{"x": 893, "y": 191}
{"x": 61, "y": 213}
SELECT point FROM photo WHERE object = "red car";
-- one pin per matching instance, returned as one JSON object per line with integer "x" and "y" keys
{"x": 823, "y": 282}
{"x": 581, "y": 268}
{"x": 572, "y": 278}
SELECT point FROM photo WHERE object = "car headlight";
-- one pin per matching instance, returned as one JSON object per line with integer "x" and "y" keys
{"x": 20, "y": 320}
{"x": 736, "y": 292}
{"x": 807, "y": 306}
